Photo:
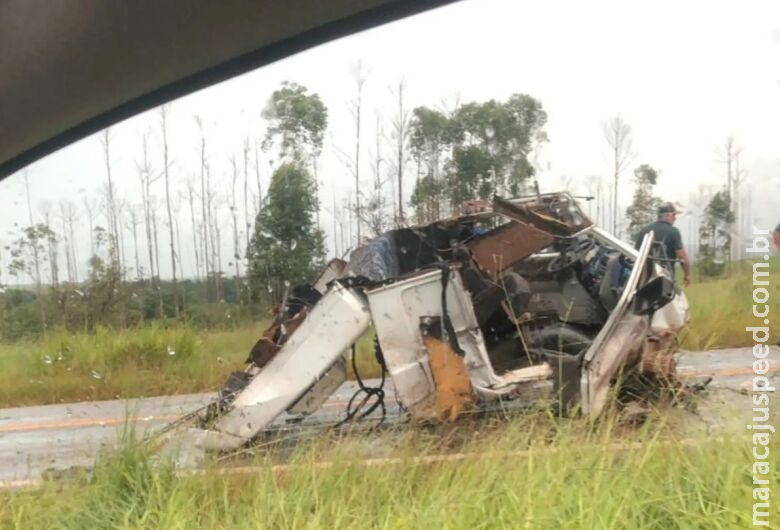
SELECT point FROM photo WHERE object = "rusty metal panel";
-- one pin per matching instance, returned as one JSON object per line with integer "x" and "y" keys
{"x": 558, "y": 214}
{"x": 507, "y": 245}
{"x": 453, "y": 387}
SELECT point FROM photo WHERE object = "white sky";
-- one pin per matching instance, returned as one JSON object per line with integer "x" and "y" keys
{"x": 685, "y": 75}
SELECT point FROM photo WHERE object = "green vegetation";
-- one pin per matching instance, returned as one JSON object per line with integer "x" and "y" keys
{"x": 532, "y": 472}
{"x": 480, "y": 150}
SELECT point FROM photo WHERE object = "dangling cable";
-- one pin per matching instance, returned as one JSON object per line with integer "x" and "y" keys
{"x": 377, "y": 393}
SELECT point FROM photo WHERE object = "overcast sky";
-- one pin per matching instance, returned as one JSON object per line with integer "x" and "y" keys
{"x": 685, "y": 75}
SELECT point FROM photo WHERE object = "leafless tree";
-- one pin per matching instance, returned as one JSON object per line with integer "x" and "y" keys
{"x": 355, "y": 106}
{"x": 166, "y": 172}
{"x": 90, "y": 206}
{"x": 205, "y": 197}
{"x": 247, "y": 225}
{"x": 728, "y": 154}
{"x": 52, "y": 245}
{"x": 153, "y": 215}
{"x": 132, "y": 224}
{"x": 234, "y": 215}
{"x": 111, "y": 214}
{"x": 191, "y": 193}
{"x": 400, "y": 137}
{"x": 619, "y": 137}
{"x": 68, "y": 216}
{"x": 259, "y": 199}
{"x": 216, "y": 244}
{"x": 146, "y": 180}
{"x": 375, "y": 213}
{"x": 31, "y": 219}
{"x": 121, "y": 206}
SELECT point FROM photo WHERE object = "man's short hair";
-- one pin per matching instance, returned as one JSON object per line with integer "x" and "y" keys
{"x": 666, "y": 208}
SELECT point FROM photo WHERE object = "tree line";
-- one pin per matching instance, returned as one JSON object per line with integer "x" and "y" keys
{"x": 275, "y": 238}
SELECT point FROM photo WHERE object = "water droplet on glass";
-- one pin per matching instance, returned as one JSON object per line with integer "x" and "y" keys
{"x": 47, "y": 359}
{"x": 293, "y": 244}
{"x": 170, "y": 350}
{"x": 96, "y": 375}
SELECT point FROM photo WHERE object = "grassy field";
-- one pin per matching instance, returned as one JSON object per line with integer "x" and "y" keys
{"x": 534, "y": 472}
{"x": 721, "y": 309}
{"x": 154, "y": 360}
{"x": 147, "y": 361}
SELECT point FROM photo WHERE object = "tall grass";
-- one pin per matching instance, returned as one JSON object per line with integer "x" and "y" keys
{"x": 721, "y": 309}
{"x": 549, "y": 473}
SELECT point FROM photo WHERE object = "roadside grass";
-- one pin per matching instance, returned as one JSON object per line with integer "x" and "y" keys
{"x": 722, "y": 308}
{"x": 145, "y": 361}
{"x": 533, "y": 472}
{"x": 110, "y": 364}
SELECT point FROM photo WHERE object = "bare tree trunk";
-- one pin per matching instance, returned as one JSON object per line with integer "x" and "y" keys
{"x": 401, "y": 134}
{"x": 51, "y": 249}
{"x": 65, "y": 241}
{"x": 166, "y": 172}
{"x": 68, "y": 213}
{"x": 259, "y": 186}
{"x": 335, "y": 229}
{"x": 153, "y": 212}
{"x": 360, "y": 79}
{"x": 88, "y": 205}
{"x": 234, "y": 214}
{"x": 113, "y": 226}
{"x": 121, "y": 241}
{"x": 36, "y": 257}
{"x": 134, "y": 227}
{"x": 182, "y": 301}
{"x": 145, "y": 177}
{"x": 205, "y": 193}
{"x": 195, "y": 244}
{"x": 211, "y": 217}
{"x": 217, "y": 245}
{"x": 247, "y": 226}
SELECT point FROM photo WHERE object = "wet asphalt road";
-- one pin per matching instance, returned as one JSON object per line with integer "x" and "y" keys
{"x": 58, "y": 437}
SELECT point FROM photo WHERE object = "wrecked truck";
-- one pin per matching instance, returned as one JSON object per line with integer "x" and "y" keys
{"x": 519, "y": 298}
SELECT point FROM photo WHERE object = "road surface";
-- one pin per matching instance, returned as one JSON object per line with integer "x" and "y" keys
{"x": 58, "y": 437}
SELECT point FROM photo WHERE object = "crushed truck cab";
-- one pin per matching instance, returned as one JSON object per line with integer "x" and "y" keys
{"x": 522, "y": 298}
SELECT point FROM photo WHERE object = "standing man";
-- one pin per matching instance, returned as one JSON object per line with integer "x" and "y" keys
{"x": 665, "y": 233}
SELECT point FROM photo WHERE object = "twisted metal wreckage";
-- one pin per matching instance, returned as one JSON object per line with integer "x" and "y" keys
{"x": 521, "y": 298}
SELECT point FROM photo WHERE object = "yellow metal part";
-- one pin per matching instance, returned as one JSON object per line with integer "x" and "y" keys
{"x": 453, "y": 388}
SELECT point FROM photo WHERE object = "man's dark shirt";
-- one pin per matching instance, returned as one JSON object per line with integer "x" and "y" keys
{"x": 666, "y": 234}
